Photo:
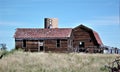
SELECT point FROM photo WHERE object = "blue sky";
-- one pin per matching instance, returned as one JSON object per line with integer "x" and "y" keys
{"x": 100, "y": 15}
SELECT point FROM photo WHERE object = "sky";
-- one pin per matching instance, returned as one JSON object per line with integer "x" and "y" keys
{"x": 100, "y": 15}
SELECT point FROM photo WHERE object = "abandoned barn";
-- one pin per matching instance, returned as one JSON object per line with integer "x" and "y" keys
{"x": 54, "y": 39}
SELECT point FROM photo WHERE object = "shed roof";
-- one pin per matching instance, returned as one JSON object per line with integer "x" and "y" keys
{"x": 42, "y": 33}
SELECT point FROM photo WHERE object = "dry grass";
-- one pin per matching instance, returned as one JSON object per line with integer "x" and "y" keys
{"x": 55, "y": 62}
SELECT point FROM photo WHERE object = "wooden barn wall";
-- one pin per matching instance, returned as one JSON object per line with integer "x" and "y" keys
{"x": 50, "y": 45}
{"x": 32, "y": 45}
{"x": 83, "y": 36}
{"x": 18, "y": 44}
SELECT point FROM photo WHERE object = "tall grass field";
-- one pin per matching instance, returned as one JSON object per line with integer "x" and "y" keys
{"x": 20, "y": 61}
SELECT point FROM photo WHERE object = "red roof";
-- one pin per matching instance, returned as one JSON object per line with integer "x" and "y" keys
{"x": 43, "y": 33}
{"x": 97, "y": 38}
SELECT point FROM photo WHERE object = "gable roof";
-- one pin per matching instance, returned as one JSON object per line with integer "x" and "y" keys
{"x": 40, "y": 33}
{"x": 95, "y": 34}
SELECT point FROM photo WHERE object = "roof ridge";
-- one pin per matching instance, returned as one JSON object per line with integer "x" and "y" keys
{"x": 44, "y": 28}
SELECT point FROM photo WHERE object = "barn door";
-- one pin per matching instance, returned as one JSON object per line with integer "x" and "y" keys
{"x": 40, "y": 45}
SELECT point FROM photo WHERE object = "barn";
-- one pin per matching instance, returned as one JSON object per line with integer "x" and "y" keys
{"x": 54, "y": 39}
{"x": 86, "y": 40}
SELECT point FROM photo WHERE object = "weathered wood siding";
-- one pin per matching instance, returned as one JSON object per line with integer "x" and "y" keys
{"x": 18, "y": 44}
{"x": 82, "y": 35}
{"x": 51, "y": 45}
{"x": 31, "y": 45}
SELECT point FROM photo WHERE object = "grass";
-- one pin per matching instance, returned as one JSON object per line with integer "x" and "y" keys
{"x": 19, "y": 61}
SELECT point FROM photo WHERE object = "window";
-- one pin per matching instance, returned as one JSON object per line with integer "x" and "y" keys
{"x": 58, "y": 43}
{"x": 50, "y": 21}
{"x": 90, "y": 40}
{"x": 24, "y": 43}
{"x": 81, "y": 44}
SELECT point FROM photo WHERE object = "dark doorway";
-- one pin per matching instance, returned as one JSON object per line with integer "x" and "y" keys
{"x": 24, "y": 43}
{"x": 41, "y": 45}
{"x": 81, "y": 47}
{"x": 41, "y": 48}
{"x": 81, "y": 44}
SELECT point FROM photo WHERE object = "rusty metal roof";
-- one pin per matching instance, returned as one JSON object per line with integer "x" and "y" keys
{"x": 43, "y": 33}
